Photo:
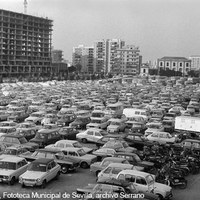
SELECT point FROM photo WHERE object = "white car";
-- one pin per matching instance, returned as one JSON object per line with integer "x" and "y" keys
{"x": 145, "y": 182}
{"x": 161, "y": 137}
{"x": 39, "y": 172}
{"x": 90, "y": 135}
{"x": 153, "y": 127}
{"x": 98, "y": 122}
{"x": 116, "y": 125}
{"x": 11, "y": 167}
{"x": 35, "y": 117}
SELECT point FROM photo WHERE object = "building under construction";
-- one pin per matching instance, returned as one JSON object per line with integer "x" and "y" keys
{"x": 25, "y": 45}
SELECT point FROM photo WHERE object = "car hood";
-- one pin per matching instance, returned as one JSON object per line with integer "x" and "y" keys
{"x": 32, "y": 174}
{"x": 6, "y": 172}
{"x": 88, "y": 156}
{"x": 87, "y": 189}
{"x": 112, "y": 127}
{"x": 161, "y": 186}
{"x": 87, "y": 150}
{"x": 31, "y": 118}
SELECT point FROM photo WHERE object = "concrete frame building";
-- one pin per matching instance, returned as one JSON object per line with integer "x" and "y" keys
{"x": 195, "y": 62}
{"x": 84, "y": 56}
{"x": 25, "y": 44}
{"x": 128, "y": 60}
{"x": 180, "y": 64}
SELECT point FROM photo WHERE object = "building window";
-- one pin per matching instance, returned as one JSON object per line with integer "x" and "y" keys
{"x": 174, "y": 64}
{"x": 187, "y": 64}
{"x": 167, "y": 64}
{"x": 144, "y": 70}
{"x": 180, "y": 64}
{"x": 161, "y": 63}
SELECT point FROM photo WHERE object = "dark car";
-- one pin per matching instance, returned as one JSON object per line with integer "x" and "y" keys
{"x": 109, "y": 137}
{"x": 80, "y": 122}
{"x": 65, "y": 119}
{"x": 67, "y": 164}
{"x": 137, "y": 140}
{"x": 135, "y": 160}
{"x": 28, "y": 134}
{"x": 46, "y": 136}
{"x": 18, "y": 117}
{"x": 11, "y": 139}
{"x": 68, "y": 133}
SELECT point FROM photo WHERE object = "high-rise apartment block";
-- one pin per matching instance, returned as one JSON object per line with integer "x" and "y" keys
{"x": 25, "y": 44}
{"x": 57, "y": 56}
{"x": 84, "y": 56}
{"x": 195, "y": 62}
{"x": 128, "y": 60}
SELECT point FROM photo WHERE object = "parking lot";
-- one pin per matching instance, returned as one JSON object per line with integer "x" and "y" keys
{"x": 141, "y": 119}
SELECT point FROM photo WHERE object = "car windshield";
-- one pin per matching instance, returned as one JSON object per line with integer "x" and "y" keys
{"x": 150, "y": 179}
{"x": 115, "y": 123}
{"x": 22, "y": 140}
{"x": 77, "y": 144}
{"x": 37, "y": 167}
{"x": 125, "y": 144}
{"x": 137, "y": 158}
{"x": 40, "y": 136}
{"x": 10, "y": 152}
{"x": 7, "y": 165}
{"x": 81, "y": 152}
{"x": 3, "y": 130}
{"x": 36, "y": 115}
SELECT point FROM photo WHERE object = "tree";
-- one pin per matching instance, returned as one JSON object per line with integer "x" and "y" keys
{"x": 78, "y": 67}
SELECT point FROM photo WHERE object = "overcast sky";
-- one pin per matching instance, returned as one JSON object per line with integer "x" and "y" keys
{"x": 159, "y": 27}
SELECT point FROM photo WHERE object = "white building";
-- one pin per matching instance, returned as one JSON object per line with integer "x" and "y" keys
{"x": 195, "y": 62}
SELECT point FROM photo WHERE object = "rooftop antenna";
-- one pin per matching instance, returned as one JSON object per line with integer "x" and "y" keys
{"x": 25, "y": 6}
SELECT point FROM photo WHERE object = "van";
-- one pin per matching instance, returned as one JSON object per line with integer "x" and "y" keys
{"x": 145, "y": 182}
{"x": 112, "y": 170}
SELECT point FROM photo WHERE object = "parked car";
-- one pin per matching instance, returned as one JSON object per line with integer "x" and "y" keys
{"x": 46, "y": 136}
{"x": 66, "y": 164}
{"x": 69, "y": 133}
{"x": 28, "y": 134}
{"x": 135, "y": 160}
{"x": 103, "y": 152}
{"x": 11, "y": 139}
{"x": 80, "y": 122}
{"x": 112, "y": 170}
{"x": 80, "y": 155}
{"x": 117, "y": 188}
{"x": 98, "y": 166}
{"x": 40, "y": 172}
{"x": 35, "y": 117}
{"x": 145, "y": 182}
{"x": 11, "y": 167}
{"x": 90, "y": 135}
{"x": 49, "y": 119}
{"x": 152, "y": 127}
{"x": 116, "y": 125}
{"x": 69, "y": 143}
{"x": 137, "y": 140}
{"x": 100, "y": 123}
{"x": 161, "y": 137}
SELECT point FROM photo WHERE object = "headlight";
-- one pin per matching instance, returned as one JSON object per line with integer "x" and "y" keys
{"x": 20, "y": 179}
{"x": 6, "y": 177}
{"x": 38, "y": 180}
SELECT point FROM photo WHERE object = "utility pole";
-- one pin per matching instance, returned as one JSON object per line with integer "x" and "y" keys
{"x": 25, "y": 6}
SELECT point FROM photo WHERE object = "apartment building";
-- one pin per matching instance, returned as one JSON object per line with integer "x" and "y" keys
{"x": 195, "y": 62}
{"x": 128, "y": 60}
{"x": 84, "y": 56}
{"x": 25, "y": 44}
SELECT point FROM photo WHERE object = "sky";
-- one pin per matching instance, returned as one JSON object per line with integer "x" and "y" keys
{"x": 159, "y": 27}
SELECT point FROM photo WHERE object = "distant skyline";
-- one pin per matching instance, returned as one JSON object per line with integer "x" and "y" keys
{"x": 159, "y": 27}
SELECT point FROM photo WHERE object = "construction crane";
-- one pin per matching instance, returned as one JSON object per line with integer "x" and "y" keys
{"x": 25, "y": 6}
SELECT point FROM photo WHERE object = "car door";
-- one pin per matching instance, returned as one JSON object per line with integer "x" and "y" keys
{"x": 97, "y": 136}
{"x": 141, "y": 184}
{"x": 106, "y": 173}
{"x": 54, "y": 170}
{"x": 49, "y": 174}
{"x": 21, "y": 168}
{"x": 90, "y": 136}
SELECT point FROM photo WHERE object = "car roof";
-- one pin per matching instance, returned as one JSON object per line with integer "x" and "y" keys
{"x": 53, "y": 150}
{"x": 113, "y": 159}
{"x": 13, "y": 135}
{"x": 46, "y": 131}
{"x": 135, "y": 172}
{"x": 71, "y": 149}
{"x": 125, "y": 154}
{"x": 12, "y": 159}
{"x": 43, "y": 160}
{"x": 67, "y": 141}
{"x": 120, "y": 165}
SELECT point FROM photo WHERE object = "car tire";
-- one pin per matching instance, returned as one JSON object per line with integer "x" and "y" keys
{"x": 44, "y": 184}
{"x": 23, "y": 186}
{"x": 160, "y": 197}
{"x": 84, "y": 165}
{"x": 64, "y": 169}
{"x": 84, "y": 140}
{"x": 12, "y": 181}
